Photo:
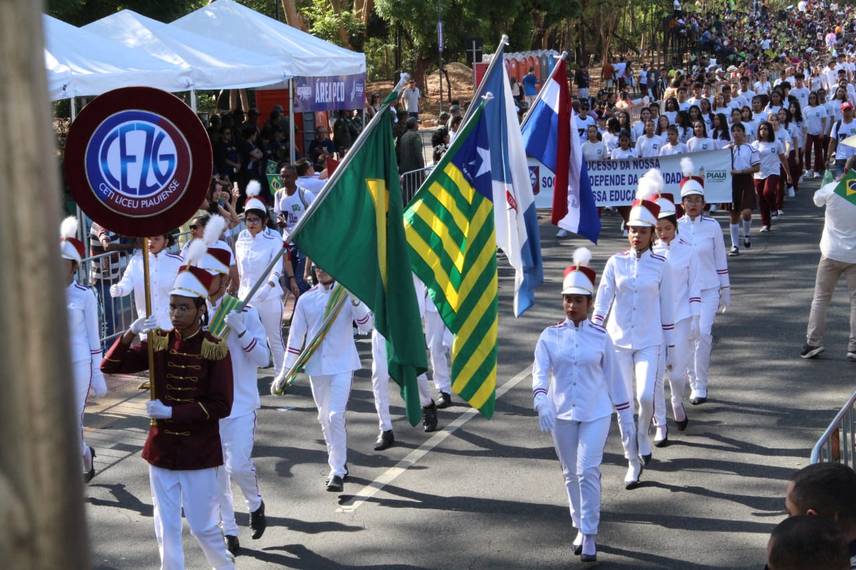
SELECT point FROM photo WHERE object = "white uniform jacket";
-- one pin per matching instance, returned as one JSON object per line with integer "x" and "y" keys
{"x": 705, "y": 235}
{"x": 163, "y": 269}
{"x": 338, "y": 352}
{"x": 683, "y": 269}
{"x": 83, "y": 337}
{"x": 248, "y": 353}
{"x": 636, "y": 294}
{"x": 575, "y": 367}
{"x": 253, "y": 255}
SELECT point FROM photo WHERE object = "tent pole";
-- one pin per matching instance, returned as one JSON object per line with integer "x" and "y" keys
{"x": 73, "y": 109}
{"x": 193, "y": 99}
{"x": 292, "y": 145}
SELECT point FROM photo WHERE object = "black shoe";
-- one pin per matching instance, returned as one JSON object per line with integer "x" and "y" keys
{"x": 578, "y": 549}
{"x": 335, "y": 484}
{"x": 347, "y": 473}
{"x": 697, "y": 401}
{"x": 384, "y": 441}
{"x": 663, "y": 442}
{"x": 258, "y": 521}
{"x": 747, "y": 242}
{"x": 810, "y": 351}
{"x": 233, "y": 545}
{"x": 87, "y": 477}
{"x": 646, "y": 459}
{"x": 588, "y": 557}
{"x": 682, "y": 425}
{"x": 444, "y": 401}
{"x": 734, "y": 252}
{"x": 429, "y": 417}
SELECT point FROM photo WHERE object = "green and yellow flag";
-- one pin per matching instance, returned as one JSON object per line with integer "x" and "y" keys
{"x": 847, "y": 187}
{"x": 356, "y": 234}
{"x": 450, "y": 231}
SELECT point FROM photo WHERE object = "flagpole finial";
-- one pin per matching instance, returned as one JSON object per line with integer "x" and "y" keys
{"x": 504, "y": 39}
{"x": 487, "y": 97}
{"x": 564, "y": 55}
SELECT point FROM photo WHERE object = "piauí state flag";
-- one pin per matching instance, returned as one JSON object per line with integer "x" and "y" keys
{"x": 357, "y": 235}
{"x": 517, "y": 233}
{"x": 550, "y": 137}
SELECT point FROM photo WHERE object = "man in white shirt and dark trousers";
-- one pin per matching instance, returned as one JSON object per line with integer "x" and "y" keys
{"x": 289, "y": 204}
{"x": 838, "y": 258}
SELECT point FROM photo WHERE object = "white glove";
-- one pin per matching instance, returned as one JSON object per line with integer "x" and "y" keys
{"x": 158, "y": 410}
{"x": 235, "y": 321}
{"x": 724, "y": 299}
{"x": 277, "y": 387}
{"x": 546, "y": 412}
{"x": 144, "y": 325}
{"x": 99, "y": 385}
{"x": 115, "y": 290}
{"x": 694, "y": 327}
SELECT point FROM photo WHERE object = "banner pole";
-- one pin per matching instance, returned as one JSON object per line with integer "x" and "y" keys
{"x": 148, "y": 295}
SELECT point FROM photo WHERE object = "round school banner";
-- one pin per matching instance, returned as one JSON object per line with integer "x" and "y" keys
{"x": 613, "y": 182}
{"x": 138, "y": 161}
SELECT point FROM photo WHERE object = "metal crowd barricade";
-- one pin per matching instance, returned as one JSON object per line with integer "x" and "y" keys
{"x": 838, "y": 442}
{"x": 411, "y": 181}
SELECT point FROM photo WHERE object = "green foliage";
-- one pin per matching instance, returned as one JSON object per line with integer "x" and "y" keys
{"x": 82, "y": 12}
{"x": 327, "y": 23}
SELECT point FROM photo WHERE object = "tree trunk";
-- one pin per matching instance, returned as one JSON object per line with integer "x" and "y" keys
{"x": 363, "y": 9}
{"x": 292, "y": 16}
{"x": 41, "y": 499}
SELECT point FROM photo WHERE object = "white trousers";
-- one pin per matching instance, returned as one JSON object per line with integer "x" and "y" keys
{"x": 679, "y": 374}
{"x": 380, "y": 383}
{"x": 195, "y": 491}
{"x": 331, "y": 394}
{"x": 439, "y": 341}
{"x": 82, "y": 373}
{"x": 641, "y": 366}
{"x": 703, "y": 345}
{"x": 579, "y": 446}
{"x": 237, "y": 436}
{"x": 270, "y": 313}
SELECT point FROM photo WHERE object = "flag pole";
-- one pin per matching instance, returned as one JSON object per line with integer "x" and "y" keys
{"x": 288, "y": 237}
{"x": 503, "y": 41}
{"x": 561, "y": 61}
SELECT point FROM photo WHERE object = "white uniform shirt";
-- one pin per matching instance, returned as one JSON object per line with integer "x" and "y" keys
{"x": 293, "y": 207}
{"x": 248, "y": 353}
{"x": 594, "y": 150}
{"x": 647, "y": 147}
{"x": 619, "y": 153}
{"x": 163, "y": 269}
{"x": 636, "y": 293}
{"x": 762, "y": 87}
{"x": 611, "y": 142}
{"x": 838, "y": 241}
{"x": 253, "y": 255}
{"x": 768, "y": 154}
{"x": 312, "y": 183}
{"x": 699, "y": 144}
{"x": 814, "y": 116}
{"x": 575, "y": 367}
{"x": 801, "y": 94}
{"x": 669, "y": 149}
{"x": 833, "y": 114}
{"x": 841, "y": 131}
{"x": 83, "y": 338}
{"x": 581, "y": 125}
{"x": 337, "y": 352}
{"x": 743, "y": 156}
{"x": 705, "y": 236}
{"x": 683, "y": 269}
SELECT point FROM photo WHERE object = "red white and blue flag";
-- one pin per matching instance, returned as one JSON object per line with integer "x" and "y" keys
{"x": 549, "y": 136}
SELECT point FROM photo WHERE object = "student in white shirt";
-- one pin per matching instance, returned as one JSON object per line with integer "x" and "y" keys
{"x": 772, "y": 157}
{"x": 776, "y": 103}
{"x": 815, "y": 115}
{"x": 700, "y": 141}
{"x": 649, "y": 144}
{"x": 673, "y": 145}
{"x": 610, "y": 136}
{"x": 623, "y": 150}
{"x": 594, "y": 148}
{"x": 799, "y": 90}
{"x": 638, "y": 127}
{"x": 785, "y": 137}
{"x": 792, "y": 120}
{"x": 762, "y": 86}
{"x": 841, "y": 130}
{"x": 744, "y": 162}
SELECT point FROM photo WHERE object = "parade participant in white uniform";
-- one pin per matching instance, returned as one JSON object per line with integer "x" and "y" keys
{"x": 745, "y": 161}
{"x": 574, "y": 387}
{"x": 331, "y": 366}
{"x": 673, "y": 144}
{"x": 705, "y": 235}
{"x": 255, "y": 247}
{"x": 84, "y": 343}
{"x": 648, "y": 144}
{"x": 635, "y": 293}
{"x": 439, "y": 341}
{"x": 163, "y": 268}
{"x": 683, "y": 269}
{"x": 700, "y": 141}
{"x": 192, "y": 380}
{"x": 248, "y": 351}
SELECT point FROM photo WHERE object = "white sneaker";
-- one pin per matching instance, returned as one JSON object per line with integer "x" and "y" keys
{"x": 791, "y": 193}
{"x": 634, "y": 471}
{"x": 661, "y": 435}
{"x": 809, "y": 174}
{"x": 765, "y": 229}
{"x": 578, "y": 541}
{"x": 562, "y": 233}
{"x": 780, "y": 213}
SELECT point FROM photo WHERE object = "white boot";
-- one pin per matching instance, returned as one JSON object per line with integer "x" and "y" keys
{"x": 634, "y": 471}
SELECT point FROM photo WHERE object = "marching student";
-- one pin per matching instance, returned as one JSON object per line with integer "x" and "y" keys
{"x": 255, "y": 247}
{"x": 705, "y": 236}
{"x": 673, "y": 144}
{"x": 163, "y": 269}
{"x": 84, "y": 342}
{"x": 648, "y": 143}
{"x": 574, "y": 388}
{"x": 635, "y": 294}
{"x": 193, "y": 384}
{"x": 331, "y": 358}
{"x": 683, "y": 269}
{"x": 700, "y": 141}
{"x": 745, "y": 161}
{"x": 248, "y": 351}
{"x": 772, "y": 158}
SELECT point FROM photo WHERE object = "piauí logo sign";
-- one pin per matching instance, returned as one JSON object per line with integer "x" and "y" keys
{"x": 138, "y": 163}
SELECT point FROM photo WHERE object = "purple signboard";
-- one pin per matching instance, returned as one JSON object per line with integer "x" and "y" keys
{"x": 333, "y": 93}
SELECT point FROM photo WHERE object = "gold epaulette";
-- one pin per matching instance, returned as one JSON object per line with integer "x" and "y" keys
{"x": 213, "y": 348}
{"x": 160, "y": 340}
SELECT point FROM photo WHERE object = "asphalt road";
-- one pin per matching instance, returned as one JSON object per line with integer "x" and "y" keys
{"x": 489, "y": 494}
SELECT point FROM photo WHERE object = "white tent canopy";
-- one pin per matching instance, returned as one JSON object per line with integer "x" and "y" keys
{"x": 303, "y": 55}
{"x": 212, "y": 64}
{"x": 79, "y": 63}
